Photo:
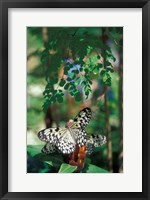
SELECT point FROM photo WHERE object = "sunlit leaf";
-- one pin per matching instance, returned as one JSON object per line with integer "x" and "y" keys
{"x": 66, "y": 168}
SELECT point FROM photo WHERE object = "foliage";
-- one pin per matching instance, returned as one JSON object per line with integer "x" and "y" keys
{"x": 79, "y": 56}
{"x": 56, "y": 162}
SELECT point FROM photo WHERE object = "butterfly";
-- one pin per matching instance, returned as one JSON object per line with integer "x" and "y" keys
{"x": 65, "y": 139}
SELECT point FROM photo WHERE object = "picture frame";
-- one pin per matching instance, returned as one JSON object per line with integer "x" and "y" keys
{"x": 4, "y": 123}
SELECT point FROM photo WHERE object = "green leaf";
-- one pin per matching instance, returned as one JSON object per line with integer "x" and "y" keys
{"x": 96, "y": 70}
{"x": 66, "y": 70}
{"x": 66, "y": 168}
{"x": 62, "y": 82}
{"x": 53, "y": 159}
{"x": 77, "y": 71}
{"x": 78, "y": 96}
{"x": 83, "y": 83}
{"x": 67, "y": 86}
{"x": 102, "y": 73}
{"x": 100, "y": 65}
{"x": 81, "y": 69}
{"x": 109, "y": 69}
{"x": 68, "y": 79}
{"x": 86, "y": 70}
{"x": 59, "y": 98}
{"x": 72, "y": 91}
{"x": 53, "y": 99}
{"x": 94, "y": 169}
{"x": 107, "y": 63}
{"x": 72, "y": 75}
{"x": 77, "y": 81}
{"x": 34, "y": 149}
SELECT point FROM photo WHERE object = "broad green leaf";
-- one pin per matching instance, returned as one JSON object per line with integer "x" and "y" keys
{"x": 34, "y": 149}
{"x": 35, "y": 152}
{"x": 54, "y": 160}
{"x": 66, "y": 168}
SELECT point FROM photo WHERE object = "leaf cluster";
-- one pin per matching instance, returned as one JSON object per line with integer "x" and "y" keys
{"x": 73, "y": 58}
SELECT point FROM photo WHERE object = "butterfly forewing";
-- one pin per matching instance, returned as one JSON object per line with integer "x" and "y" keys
{"x": 82, "y": 119}
{"x": 51, "y": 135}
{"x": 80, "y": 122}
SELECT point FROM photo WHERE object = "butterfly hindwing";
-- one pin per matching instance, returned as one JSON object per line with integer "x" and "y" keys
{"x": 94, "y": 141}
{"x": 49, "y": 148}
{"x": 99, "y": 140}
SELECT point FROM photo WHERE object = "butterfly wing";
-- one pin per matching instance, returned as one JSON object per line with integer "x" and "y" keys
{"x": 49, "y": 135}
{"x": 80, "y": 122}
{"x": 94, "y": 141}
{"x": 66, "y": 144}
{"x": 81, "y": 137}
{"x": 49, "y": 148}
{"x": 82, "y": 119}
{"x": 99, "y": 140}
{"x": 60, "y": 138}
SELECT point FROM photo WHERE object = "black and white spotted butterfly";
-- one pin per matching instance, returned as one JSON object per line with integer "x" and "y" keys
{"x": 65, "y": 139}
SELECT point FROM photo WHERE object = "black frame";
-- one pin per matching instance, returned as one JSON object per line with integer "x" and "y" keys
{"x": 4, "y": 5}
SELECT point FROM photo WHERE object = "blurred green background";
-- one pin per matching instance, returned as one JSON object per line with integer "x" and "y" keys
{"x": 105, "y": 98}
